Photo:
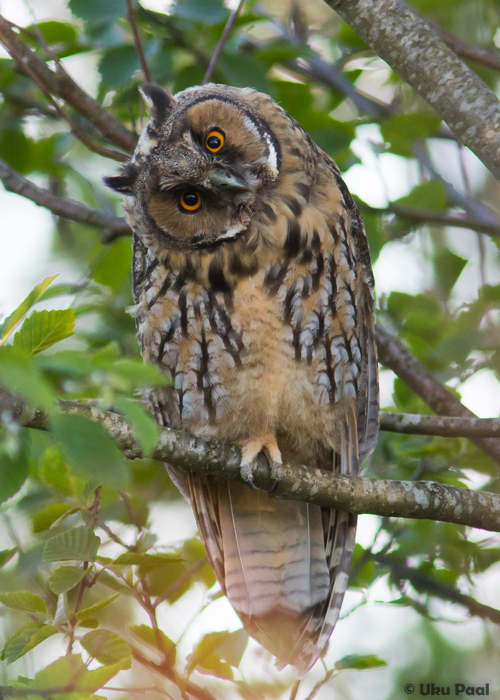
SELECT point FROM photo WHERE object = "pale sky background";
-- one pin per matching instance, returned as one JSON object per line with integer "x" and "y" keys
{"x": 25, "y": 259}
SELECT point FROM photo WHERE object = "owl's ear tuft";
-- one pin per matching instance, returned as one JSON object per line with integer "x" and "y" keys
{"x": 123, "y": 183}
{"x": 158, "y": 102}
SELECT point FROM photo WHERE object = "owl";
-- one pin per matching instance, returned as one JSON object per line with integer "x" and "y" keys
{"x": 254, "y": 293}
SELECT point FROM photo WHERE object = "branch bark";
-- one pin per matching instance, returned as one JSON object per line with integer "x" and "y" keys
{"x": 437, "y": 218}
{"x": 114, "y": 226}
{"x": 62, "y": 85}
{"x": 394, "y": 355}
{"x": 442, "y": 426}
{"x": 413, "y": 50}
{"x": 401, "y": 499}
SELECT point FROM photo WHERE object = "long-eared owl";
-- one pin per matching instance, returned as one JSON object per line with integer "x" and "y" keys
{"x": 254, "y": 292}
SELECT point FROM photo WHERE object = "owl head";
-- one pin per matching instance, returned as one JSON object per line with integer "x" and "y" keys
{"x": 200, "y": 167}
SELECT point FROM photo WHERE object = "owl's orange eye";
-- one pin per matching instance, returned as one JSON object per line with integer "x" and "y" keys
{"x": 215, "y": 141}
{"x": 190, "y": 200}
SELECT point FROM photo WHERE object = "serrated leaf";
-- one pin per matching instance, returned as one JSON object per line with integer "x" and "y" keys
{"x": 156, "y": 639}
{"x": 79, "y": 544}
{"x": 145, "y": 428}
{"x": 65, "y": 578}
{"x": 43, "y": 329}
{"x": 108, "y": 648}
{"x": 360, "y": 662}
{"x": 89, "y": 450}
{"x": 23, "y": 600}
{"x": 25, "y": 639}
{"x": 87, "y": 612}
{"x": 17, "y": 316}
{"x": 6, "y": 555}
{"x": 43, "y": 519}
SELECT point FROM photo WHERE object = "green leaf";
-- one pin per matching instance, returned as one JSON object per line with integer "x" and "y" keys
{"x": 96, "y": 12}
{"x": 158, "y": 640}
{"x": 87, "y": 612}
{"x": 89, "y": 450}
{"x": 146, "y": 429}
{"x": 25, "y": 639}
{"x": 55, "y": 32}
{"x": 447, "y": 267}
{"x": 72, "y": 672}
{"x": 6, "y": 555}
{"x": 19, "y": 375}
{"x": 79, "y": 544}
{"x": 140, "y": 374}
{"x": 232, "y": 648}
{"x": 359, "y": 662}
{"x": 17, "y": 316}
{"x": 108, "y": 648}
{"x": 23, "y": 600}
{"x": 43, "y": 329}
{"x": 54, "y": 472}
{"x": 401, "y": 130}
{"x": 44, "y": 519}
{"x": 207, "y": 659}
{"x": 117, "y": 66}
{"x": 206, "y": 11}
{"x": 14, "y": 469}
{"x": 427, "y": 195}
{"x": 65, "y": 578}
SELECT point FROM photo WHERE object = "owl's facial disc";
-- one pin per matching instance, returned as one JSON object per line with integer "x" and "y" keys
{"x": 200, "y": 167}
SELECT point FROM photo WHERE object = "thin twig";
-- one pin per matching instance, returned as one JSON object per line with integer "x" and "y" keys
{"x": 63, "y": 86}
{"x": 394, "y": 355}
{"x": 114, "y": 226}
{"x": 485, "y": 57}
{"x": 443, "y": 426}
{"x": 229, "y": 25}
{"x": 437, "y": 218}
{"x": 137, "y": 40}
{"x": 168, "y": 672}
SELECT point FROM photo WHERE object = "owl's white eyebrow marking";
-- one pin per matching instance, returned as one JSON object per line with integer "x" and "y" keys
{"x": 272, "y": 158}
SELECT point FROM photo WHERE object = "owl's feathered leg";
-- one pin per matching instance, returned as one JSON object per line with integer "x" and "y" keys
{"x": 249, "y": 452}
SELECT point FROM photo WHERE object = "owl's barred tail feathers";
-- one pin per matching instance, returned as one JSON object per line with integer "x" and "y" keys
{"x": 284, "y": 565}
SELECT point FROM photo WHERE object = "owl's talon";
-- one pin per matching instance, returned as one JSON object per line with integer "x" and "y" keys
{"x": 247, "y": 475}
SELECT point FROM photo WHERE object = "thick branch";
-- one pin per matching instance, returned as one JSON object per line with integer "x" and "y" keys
{"x": 62, "y": 85}
{"x": 413, "y": 50}
{"x": 402, "y": 499}
{"x": 394, "y": 355}
{"x": 67, "y": 208}
{"x": 490, "y": 58}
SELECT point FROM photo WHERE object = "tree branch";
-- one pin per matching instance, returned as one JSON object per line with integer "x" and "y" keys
{"x": 224, "y": 37}
{"x": 485, "y": 57}
{"x": 443, "y": 426}
{"x": 137, "y": 40}
{"x": 436, "y": 588}
{"x": 413, "y": 50}
{"x": 62, "y": 85}
{"x": 400, "y": 499}
{"x": 394, "y": 355}
{"x": 437, "y": 218}
{"x": 66, "y": 208}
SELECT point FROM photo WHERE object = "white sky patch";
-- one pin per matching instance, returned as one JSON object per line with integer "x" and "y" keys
{"x": 481, "y": 394}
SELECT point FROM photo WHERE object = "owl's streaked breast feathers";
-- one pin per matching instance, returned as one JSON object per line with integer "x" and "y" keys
{"x": 254, "y": 292}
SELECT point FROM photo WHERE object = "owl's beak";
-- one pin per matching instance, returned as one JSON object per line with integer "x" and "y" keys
{"x": 219, "y": 177}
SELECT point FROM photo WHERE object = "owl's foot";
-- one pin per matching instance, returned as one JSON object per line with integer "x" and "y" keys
{"x": 250, "y": 452}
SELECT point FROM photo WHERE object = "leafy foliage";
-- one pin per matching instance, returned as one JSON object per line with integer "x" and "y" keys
{"x": 87, "y": 557}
